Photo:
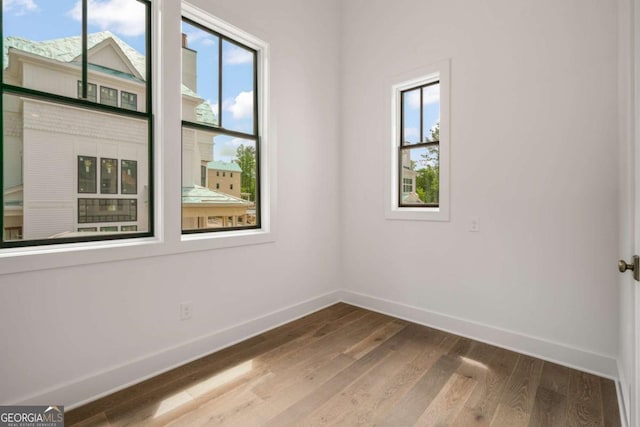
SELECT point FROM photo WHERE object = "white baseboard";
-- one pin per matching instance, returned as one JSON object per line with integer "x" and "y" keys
{"x": 561, "y": 354}
{"x": 95, "y": 386}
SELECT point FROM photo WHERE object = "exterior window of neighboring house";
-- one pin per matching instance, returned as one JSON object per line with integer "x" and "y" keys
{"x": 420, "y": 157}
{"x": 129, "y": 100}
{"x": 221, "y": 53}
{"x": 129, "y": 177}
{"x": 108, "y": 96}
{"x": 60, "y": 163}
{"x": 203, "y": 176}
{"x": 87, "y": 174}
{"x": 108, "y": 176}
{"x": 407, "y": 185}
{"x": 92, "y": 91}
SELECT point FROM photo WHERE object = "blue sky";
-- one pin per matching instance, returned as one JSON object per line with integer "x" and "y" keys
{"x": 237, "y": 86}
{"x": 431, "y": 113}
{"x": 50, "y": 19}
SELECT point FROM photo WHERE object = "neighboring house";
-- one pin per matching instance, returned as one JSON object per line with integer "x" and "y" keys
{"x": 70, "y": 170}
{"x": 409, "y": 194}
{"x": 224, "y": 177}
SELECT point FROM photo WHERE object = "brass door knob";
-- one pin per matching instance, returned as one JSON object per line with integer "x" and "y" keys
{"x": 634, "y": 266}
{"x": 623, "y": 266}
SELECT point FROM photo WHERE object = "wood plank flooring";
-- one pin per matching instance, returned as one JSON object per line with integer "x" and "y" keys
{"x": 346, "y": 366}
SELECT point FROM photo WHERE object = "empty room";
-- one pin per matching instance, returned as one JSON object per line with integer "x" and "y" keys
{"x": 304, "y": 213}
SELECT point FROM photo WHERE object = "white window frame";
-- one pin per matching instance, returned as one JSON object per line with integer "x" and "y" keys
{"x": 440, "y": 71}
{"x": 168, "y": 238}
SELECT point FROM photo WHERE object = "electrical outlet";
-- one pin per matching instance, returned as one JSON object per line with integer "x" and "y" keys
{"x": 186, "y": 310}
{"x": 474, "y": 224}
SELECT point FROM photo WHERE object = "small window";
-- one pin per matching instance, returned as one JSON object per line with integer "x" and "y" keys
{"x": 217, "y": 185}
{"x": 203, "y": 176}
{"x": 87, "y": 229}
{"x": 92, "y": 91}
{"x": 224, "y": 174}
{"x": 108, "y": 96}
{"x": 129, "y": 177}
{"x": 420, "y": 158}
{"x": 109, "y": 228}
{"x": 231, "y": 187}
{"x": 217, "y": 173}
{"x": 86, "y": 174}
{"x": 128, "y": 228}
{"x": 108, "y": 176}
{"x": 129, "y": 100}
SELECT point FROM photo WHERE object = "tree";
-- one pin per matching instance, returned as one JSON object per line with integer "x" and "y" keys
{"x": 428, "y": 178}
{"x": 246, "y": 159}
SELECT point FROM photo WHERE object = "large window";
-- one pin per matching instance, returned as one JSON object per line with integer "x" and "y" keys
{"x": 420, "y": 158}
{"x": 220, "y": 131}
{"x": 66, "y": 131}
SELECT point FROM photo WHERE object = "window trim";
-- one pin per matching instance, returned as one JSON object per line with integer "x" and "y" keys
{"x": 440, "y": 71}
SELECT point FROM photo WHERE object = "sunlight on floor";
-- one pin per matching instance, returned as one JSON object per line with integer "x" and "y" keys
{"x": 474, "y": 363}
{"x": 203, "y": 387}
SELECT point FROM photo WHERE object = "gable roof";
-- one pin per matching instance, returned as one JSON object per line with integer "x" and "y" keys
{"x": 68, "y": 49}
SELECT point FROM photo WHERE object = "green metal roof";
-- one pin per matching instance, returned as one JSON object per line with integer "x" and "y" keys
{"x": 205, "y": 196}
{"x": 224, "y": 166}
{"x": 68, "y": 48}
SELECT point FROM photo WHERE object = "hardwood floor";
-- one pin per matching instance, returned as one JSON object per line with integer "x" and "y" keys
{"x": 347, "y": 366}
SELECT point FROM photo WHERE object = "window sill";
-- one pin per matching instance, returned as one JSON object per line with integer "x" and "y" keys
{"x": 418, "y": 214}
{"x": 36, "y": 258}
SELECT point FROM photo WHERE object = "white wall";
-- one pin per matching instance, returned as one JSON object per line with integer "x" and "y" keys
{"x": 61, "y": 326}
{"x": 533, "y": 155}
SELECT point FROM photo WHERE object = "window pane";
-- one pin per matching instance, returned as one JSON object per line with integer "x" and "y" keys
{"x": 199, "y": 75}
{"x": 108, "y": 176}
{"x": 53, "y": 51}
{"x": 129, "y": 177}
{"x": 46, "y": 150}
{"x": 87, "y": 174}
{"x": 116, "y": 51}
{"x": 228, "y": 200}
{"x": 431, "y": 112}
{"x": 237, "y": 88}
{"x": 129, "y": 101}
{"x": 411, "y": 117}
{"x": 420, "y": 176}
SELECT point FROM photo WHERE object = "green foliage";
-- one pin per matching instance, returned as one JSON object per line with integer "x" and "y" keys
{"x": 246, "y": 159}
{"x": 428, "y": 178}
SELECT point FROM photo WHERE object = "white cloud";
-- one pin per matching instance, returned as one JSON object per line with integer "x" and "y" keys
{"x": 199, "y": 37}
{"x": 124, "y": 17}
{"x": 235, "y": 55}
{"x": 19, "y": 7}
{"x": 226, "y": 151}
{"x": 431, "y": 96}
{"x": 241, "y": 107}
